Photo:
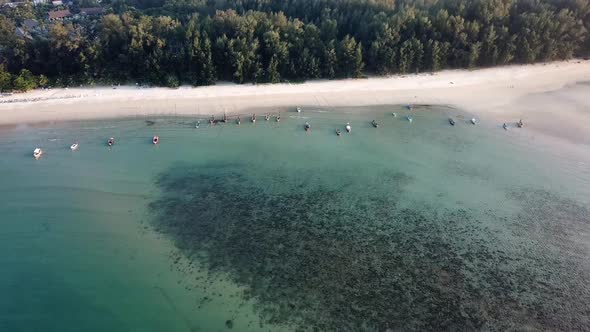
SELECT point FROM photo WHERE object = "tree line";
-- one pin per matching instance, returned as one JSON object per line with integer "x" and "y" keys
{"x": 199, "y": 42}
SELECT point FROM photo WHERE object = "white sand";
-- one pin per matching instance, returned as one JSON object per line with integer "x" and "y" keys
{"x": 505, "y": 94}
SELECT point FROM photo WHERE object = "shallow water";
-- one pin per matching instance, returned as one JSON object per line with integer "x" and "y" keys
{"x": 265, "y": 227}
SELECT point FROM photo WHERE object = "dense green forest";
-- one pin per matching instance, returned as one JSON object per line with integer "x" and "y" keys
{"x": 172, "y": 42}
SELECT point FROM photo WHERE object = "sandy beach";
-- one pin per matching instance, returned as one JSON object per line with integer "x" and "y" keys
{"x": 535, "y": 93}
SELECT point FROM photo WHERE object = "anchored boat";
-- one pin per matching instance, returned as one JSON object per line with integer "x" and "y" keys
{"x": 307, "y": 126}
{"x": 375, "y": 124}
{"x": 156, "y": 140}
{"x": 451, "y": 121}
{"x": 348, "y": 127}
{"x": 111, "y": 141}
{"x": 37, "y": 153}
{"x": 74, "y": 147}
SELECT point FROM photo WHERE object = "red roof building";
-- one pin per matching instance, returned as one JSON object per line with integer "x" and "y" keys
{"x": 58, "y": 14}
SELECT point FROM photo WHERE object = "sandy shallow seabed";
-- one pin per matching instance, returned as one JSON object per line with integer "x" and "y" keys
{"x": 535, "y": 93}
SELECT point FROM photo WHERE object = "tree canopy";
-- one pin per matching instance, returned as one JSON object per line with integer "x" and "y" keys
{"x": 199, "y": 42}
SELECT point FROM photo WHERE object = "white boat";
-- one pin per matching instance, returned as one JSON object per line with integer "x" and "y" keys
{"x": 298, "y": 109}
{"x": 74, "y": 147}
{"x": 111, "y": 141}
{"x": 37, "y": 153}
{"x": 348, "y": 127}
{"x": 394, "y": 115}
{"x": 253, "y": 118}
{"x": 307, "y": 126}
{"x": 409, "y": 118}
{"x": 156, "y": 140}
{"x": 473, "y": 121}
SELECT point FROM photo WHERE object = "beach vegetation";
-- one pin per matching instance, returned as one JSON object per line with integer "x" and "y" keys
{"x": 42, "y": 81}
{"x": 5, "y": 79}
{"x": 171, "y": 81}
{"x": 25, "y": 81}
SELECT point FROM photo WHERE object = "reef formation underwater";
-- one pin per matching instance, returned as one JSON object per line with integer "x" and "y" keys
{"x": 332, "y": 257}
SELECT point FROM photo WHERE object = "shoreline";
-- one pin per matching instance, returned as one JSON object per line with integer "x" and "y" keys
{"x": 499, "y": 94}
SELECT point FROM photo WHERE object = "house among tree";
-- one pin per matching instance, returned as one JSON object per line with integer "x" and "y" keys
{"x": 58, "y": 15}
{"x": 31, "y": 25}
{"x": 14, "y": 4}
{"x": 22, "y": 33}
{"x": 91, "y": 11}
{"x": 27, "y": 28}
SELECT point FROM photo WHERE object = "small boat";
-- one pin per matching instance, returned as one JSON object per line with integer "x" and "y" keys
{"x": 111, "y": 141}
{"x": 409, "y": 107}
{"x": 198, "y": 124}
{"x": 375, "y": 124}
{"x": 253, "y": 118}
{"x": 473, "y": 121}
{"x": 298, "y": 109}
{"x": 37, "y": 153}
{"x": 338, "y": 132}
{"x": 156, "y": 139}
{"x": 279, "y": 118}
{"x": 520, "y": 124}
{"x": 74, "y": 147}
{"x": 239, "y": 121}
{"x": 348, "y": 127}
{"x": 267, "y": 117}
{"x": 410, "y": 119}
{"x": 505, "y": 126}
{"x": 307, "y": 126}
{"x": 394, "y": 115}
{"x": 451, "y": 121}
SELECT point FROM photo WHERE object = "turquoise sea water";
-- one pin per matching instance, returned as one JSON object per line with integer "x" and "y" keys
{"x": 266, "y": 227}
